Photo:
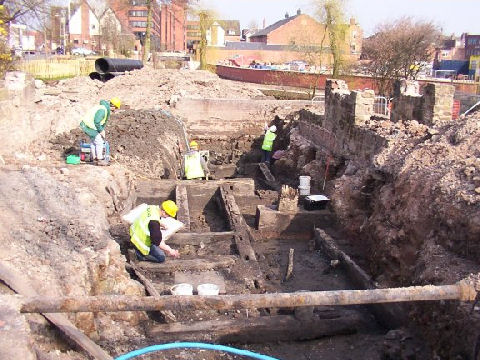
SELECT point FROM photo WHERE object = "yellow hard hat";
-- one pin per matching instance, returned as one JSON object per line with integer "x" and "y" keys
{"x": 170, "y": 207}
{"x": 193, "y": 143}
{"x": 115, "y": 101}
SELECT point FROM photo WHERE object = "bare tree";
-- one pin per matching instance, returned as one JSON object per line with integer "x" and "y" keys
{"x": 331, "y": 14}
{"x": 399, "y": 49}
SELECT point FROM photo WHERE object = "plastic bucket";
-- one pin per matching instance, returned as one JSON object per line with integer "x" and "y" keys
{"x": 182, "y": 289}
{"x": 304, "y": 182}
{"x": 304, "y": 191}
{"x": 208, "y": 289}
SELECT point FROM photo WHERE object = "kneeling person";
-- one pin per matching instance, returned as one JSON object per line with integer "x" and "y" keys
{"x": 146, "y": 235}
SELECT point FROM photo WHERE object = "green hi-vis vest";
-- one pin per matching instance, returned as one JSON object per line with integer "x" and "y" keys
{"x": 193, "y": 166}
{"x": 139, "y": 233}
{"x": 89, "y": 119}
{"x": 268, "y": 140}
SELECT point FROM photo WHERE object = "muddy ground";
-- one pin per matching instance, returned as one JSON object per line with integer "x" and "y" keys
{"x": 411, "y": 217}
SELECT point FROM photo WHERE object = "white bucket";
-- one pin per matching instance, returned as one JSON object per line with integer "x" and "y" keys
{"x": 208, "y": 289}
{"x": 182, "y": 289}
{"x": 303, "y": 191}
{"x": 304, "y": 182}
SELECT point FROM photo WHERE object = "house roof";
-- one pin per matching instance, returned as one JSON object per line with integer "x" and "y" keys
{"x": 274, "y": 26}
{"x": 228, "y": 25}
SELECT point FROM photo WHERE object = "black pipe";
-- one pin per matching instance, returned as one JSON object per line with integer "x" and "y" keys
{"x": 95, "y": 76}
{"x": 108, "y": 65}
{"x": 109, "y": 76}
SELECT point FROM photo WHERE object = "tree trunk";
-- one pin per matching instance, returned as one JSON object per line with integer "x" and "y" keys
{"x": 148, "y": 31}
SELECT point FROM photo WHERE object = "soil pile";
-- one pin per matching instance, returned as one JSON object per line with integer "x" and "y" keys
{"x": 147, "y": 87}
{"x": 146, "y": 142}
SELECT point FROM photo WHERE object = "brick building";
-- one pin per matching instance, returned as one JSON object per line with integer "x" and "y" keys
{"x": 303, "y": 30}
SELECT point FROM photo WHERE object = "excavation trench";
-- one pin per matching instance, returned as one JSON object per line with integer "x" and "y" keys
{"x": 236, "y": 237}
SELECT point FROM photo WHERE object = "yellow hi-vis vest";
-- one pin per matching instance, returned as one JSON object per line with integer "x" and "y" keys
{"x": 193, "y": 166}
{"x": 268, "y": 140}
{"x": 90, "y": 116}
{"x": 139, "y": 233}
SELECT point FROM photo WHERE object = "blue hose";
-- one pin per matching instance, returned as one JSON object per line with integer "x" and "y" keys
{"x": 153, "y": 348}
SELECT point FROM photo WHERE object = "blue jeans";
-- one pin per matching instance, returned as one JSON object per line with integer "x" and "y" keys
{"x": 266, "y": 156}
{"x": 156, "y": 255}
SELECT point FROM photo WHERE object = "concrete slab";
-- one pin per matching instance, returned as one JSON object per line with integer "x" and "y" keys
{"x": 197, "y": 278}
{"x": 291, "y": 222}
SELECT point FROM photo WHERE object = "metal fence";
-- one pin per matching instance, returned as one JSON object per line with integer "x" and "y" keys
{"x": 381, "y": 106}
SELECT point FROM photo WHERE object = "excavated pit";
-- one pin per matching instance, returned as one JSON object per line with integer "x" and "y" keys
{"x": 404, "y": 207}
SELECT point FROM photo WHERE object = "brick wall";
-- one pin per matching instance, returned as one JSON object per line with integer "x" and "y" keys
{"x": 306, "y": 80}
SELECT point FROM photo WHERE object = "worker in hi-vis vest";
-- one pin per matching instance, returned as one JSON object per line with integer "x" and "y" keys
{"x": 195, "y": 166}
{"x": 146, "y": 234}
{"x": 93, "y": 124}
{"x": 267, "y": 144}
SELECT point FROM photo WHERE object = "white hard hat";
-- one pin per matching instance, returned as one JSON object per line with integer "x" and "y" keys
{"x": 273, "y": 128}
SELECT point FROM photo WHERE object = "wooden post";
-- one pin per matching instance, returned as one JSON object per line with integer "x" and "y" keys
{"x": 461, "y": 291}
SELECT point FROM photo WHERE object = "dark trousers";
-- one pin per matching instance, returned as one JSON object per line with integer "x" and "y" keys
{"x": 266, "y": 156}
{"x": 156, "y": 255}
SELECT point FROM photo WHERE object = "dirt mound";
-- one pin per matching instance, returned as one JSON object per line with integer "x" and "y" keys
{"x": 147, "y": 87}
{"x": 144, "y": 141}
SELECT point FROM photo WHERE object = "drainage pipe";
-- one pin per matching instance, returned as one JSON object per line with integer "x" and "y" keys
{"x": 463, "y": 290}
{"x": 110, "y": 65}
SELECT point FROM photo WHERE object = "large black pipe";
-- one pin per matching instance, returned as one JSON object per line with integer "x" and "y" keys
{"x": 95, "y": 76}
{"x": 104, "y": 77}
{"x": 109, "y": 65}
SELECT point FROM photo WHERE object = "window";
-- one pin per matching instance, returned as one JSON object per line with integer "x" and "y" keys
{"x": 140, "y": 13}
{"x": 137, "y": 2}
{"x": 75, "y": 41}
{"x": 93, "y": 27}
{"x": 193, "y": 27}
{"x": 140, "y": 24}
{"x": 231, "y": 32}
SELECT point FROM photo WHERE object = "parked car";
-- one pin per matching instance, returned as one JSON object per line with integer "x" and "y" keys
{"x": 82, "y": 51}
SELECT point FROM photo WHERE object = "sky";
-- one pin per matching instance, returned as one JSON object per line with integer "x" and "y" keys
{"x": 452, "y": 16}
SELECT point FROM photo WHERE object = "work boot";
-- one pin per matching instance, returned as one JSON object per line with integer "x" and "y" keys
{"x": 102, "y": 163}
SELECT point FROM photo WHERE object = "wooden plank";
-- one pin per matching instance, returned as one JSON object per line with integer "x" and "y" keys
{"x": 392, "y": 315}
{"x": 183, "y": 213}
{"x": 167, "y": 315}
{"x": 237, "y": 223}
{"x": 171, "y": 265}
{"x": 257, "y": 330}
{"x": 21, "y": 286}
{"x": 187, "y": 238}
{"x": 268, "y": 178}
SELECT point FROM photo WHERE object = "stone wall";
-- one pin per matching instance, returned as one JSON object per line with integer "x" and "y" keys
{"x": 434, "y": 107}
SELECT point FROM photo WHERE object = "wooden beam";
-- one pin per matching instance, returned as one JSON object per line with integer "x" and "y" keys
{"x": 183, "y": 213}
{"x": 268, "y": 178}
{"x": 392, "y": 315}
{"x": 189, "y": 238}
{"x": 247, "y": 330}
{"x": 209, "y": 262}
{"x": 460, "y": 291}
{"x": 167, "y": 315}
{"x": 237, "y": 223}
{"x": 21, "y": 286}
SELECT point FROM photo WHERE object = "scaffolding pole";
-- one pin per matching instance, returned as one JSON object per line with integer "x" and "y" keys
{"x": 463, "y": 291}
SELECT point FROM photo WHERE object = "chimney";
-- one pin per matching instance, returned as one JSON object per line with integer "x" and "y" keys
{"x": 286, "y": 15}
{"x": 352, "y": 21}
{"x": 299, "y": 12}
